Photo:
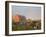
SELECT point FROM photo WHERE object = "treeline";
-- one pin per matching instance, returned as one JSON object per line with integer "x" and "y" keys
{"x": 26, "y": 24}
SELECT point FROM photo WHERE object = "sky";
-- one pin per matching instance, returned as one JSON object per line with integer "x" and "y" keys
{"x": 27, "y": 11}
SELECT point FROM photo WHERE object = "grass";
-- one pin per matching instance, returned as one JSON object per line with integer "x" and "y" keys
{"x": 21, "y": 27}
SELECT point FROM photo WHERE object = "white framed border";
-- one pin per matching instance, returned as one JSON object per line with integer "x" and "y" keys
{"x": 26, "y": 31}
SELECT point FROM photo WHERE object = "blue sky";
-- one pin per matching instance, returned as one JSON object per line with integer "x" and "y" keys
{"x": 27, "y": 11}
